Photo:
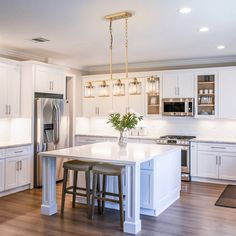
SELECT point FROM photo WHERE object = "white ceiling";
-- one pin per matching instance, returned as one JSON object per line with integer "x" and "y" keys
{"x": 79, "y": 35}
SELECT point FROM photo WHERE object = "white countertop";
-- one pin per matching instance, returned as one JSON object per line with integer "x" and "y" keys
{"x": 205, "y": 139}
{"x": 112, "y": 153}
{"x": 9, "y": 144}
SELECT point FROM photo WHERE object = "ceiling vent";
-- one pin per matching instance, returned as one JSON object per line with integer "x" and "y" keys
{"x": 40, "y": 40}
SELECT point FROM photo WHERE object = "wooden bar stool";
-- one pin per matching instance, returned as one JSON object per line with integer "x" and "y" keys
{"x": 76, "y": 166}
{"x": 100, "y": 195}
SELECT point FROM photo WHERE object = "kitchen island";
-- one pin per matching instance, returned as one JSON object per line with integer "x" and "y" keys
{"x": 165, "y": 182}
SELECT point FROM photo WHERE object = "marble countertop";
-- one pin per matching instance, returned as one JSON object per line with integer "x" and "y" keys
{"x": 201, "y": 139}
{"x": 110, "y": 152}
{"x": 9, "y": 144}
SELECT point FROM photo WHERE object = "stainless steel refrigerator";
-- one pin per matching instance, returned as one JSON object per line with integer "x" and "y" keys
{"x": 51, "y": 131}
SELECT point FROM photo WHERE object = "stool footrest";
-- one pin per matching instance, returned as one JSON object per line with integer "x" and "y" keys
{"x": 107, "y": 199}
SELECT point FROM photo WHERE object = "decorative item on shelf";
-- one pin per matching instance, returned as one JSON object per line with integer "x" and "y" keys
{"x": 89, "y": 90}
{"x": 104, "y": 89}
{"x": 153, "y": 85}
{"x": 119, "y": 88}
{"x": 124, "y": 123}
{"x": 135, "y": 87}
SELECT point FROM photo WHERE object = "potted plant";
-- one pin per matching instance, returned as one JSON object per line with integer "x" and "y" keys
{"x": 124, "y": 123}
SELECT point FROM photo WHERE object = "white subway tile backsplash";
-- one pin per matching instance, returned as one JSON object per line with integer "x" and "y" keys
{"x": 157, "y": 127}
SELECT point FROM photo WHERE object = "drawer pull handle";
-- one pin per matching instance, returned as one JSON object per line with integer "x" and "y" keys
{"x": 18, "y": 151}
{"x": 218, "y": 147}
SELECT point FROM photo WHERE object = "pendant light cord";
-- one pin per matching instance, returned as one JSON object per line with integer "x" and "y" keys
{"x": 111, "y": 44}
{"x": 126, "y": 48}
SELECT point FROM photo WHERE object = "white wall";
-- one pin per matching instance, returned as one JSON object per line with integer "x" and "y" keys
{"x": 203, "y": 128}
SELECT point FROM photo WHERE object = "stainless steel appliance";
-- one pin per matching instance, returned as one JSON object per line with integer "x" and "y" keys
{"x": 178, "y": 106}
{"x": 184, "y": 142}
{"x": 51, "y": 131}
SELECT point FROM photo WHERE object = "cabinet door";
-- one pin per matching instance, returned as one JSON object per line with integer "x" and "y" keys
{"x": 24, "y": 170}
{"x": 13, "y": 97}
{"x": 3, "y": 91}
{"x": 2, "y": 175}
{"x": 43, "y": 84}
{"x": 169, "y": 84}
{"x": 58, "y": 80}
{"x": 193, "y": 161}
{"x": 146, "y": 189}
{"x": 185, "y": 85}
{"x": 104, "y": 105}
{"x": 136, "y": 103}
{"x": 227, "y": 163}
{"x": 12, "y": 166}
{"x": 227, "y": 85}
{"x": 207, "y": 165}
{"x": 90, "y": 107}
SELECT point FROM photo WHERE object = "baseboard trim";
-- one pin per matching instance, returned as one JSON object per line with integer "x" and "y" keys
{"x": 15, "y": 190}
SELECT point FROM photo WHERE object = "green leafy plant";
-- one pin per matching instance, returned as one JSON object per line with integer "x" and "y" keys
{"x": 125, "y": 122}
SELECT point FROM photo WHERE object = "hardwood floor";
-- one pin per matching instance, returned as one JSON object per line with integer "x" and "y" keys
{"x": 193, "y": 214}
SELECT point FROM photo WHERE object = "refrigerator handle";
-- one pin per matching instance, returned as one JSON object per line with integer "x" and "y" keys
{"x": 56, "y": 125}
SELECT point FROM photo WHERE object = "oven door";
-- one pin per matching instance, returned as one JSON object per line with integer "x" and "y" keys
{"x": 185, "y": 160}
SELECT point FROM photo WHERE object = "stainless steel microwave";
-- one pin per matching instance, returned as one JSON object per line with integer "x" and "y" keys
{"x": 178, "y": 107}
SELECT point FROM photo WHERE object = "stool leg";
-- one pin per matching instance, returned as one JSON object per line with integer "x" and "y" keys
{"x": 87, "y": 176}
{"x": 94, "y": 194}
{"x": 74, "y": 187}
{"x": 98, "y": 194}
{"x": 64, "y": 190}
{"x": 121, "y": 201}
{"x": 104, "y": 186}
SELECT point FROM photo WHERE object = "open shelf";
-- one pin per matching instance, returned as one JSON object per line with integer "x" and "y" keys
{"x": 206, "y": 95}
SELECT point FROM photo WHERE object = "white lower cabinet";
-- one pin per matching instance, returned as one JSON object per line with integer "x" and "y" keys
{"x": 17, "y": 172}
{"x": 227, "y": 162}
{"x": 215, "y": 161}
{"x": 146, "y": 185}
{"x": 15, "y": 168}
{"x": 207, "y": 164}
{"x": 2, "y": 175}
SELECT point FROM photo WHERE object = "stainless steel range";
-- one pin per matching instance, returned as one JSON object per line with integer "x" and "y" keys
{"x": 184, "y": 142}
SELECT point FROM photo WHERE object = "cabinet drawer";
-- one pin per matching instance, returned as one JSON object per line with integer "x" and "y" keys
{"x": 2, "y": 153}
{"x": 17, "y": 151}
{"x": 148, "y": 165}
{"x": 216, "y": 147}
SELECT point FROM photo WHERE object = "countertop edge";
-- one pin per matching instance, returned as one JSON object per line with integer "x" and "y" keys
{"x": 15, "y": 145}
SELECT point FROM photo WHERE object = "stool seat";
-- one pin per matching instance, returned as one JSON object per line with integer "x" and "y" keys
{"x": 108, "y": 169}
{"x": 77, "y": 165}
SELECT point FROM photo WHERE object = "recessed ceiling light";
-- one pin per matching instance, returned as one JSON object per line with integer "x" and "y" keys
{"x": 220, "y": 47}
{"x": 204, "y": 29}
{"x": 185, "y": 10}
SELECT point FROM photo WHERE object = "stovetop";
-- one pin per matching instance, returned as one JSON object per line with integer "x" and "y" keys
{"x": 175, "y": 140}
{"x": 183, "y": 137}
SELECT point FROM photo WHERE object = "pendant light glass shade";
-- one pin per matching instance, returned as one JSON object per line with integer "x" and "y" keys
{"x": 135, "y": 87}
{"x": 152, "y": 85}
{"x": 89, "y": 90}
{"x": 104, "y": 89}
{"x": 119, "y": 88}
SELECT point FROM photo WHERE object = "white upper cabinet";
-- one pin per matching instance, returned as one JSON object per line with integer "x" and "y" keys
{"x": 169, "y": 85}
{"x": 178, "y": 84}
{"x": 136, "y": 96}
{"x": 49, "y": 80}
{"x": 9, "y": 90}
{"x": 227, "y": 85}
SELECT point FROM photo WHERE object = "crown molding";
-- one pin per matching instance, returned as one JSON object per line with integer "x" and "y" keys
{"x": 20, "y": 56}
{"x": 165, "y": 64}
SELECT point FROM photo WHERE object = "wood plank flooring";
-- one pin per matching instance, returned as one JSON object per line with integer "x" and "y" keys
{"x": 194, "y": 214}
